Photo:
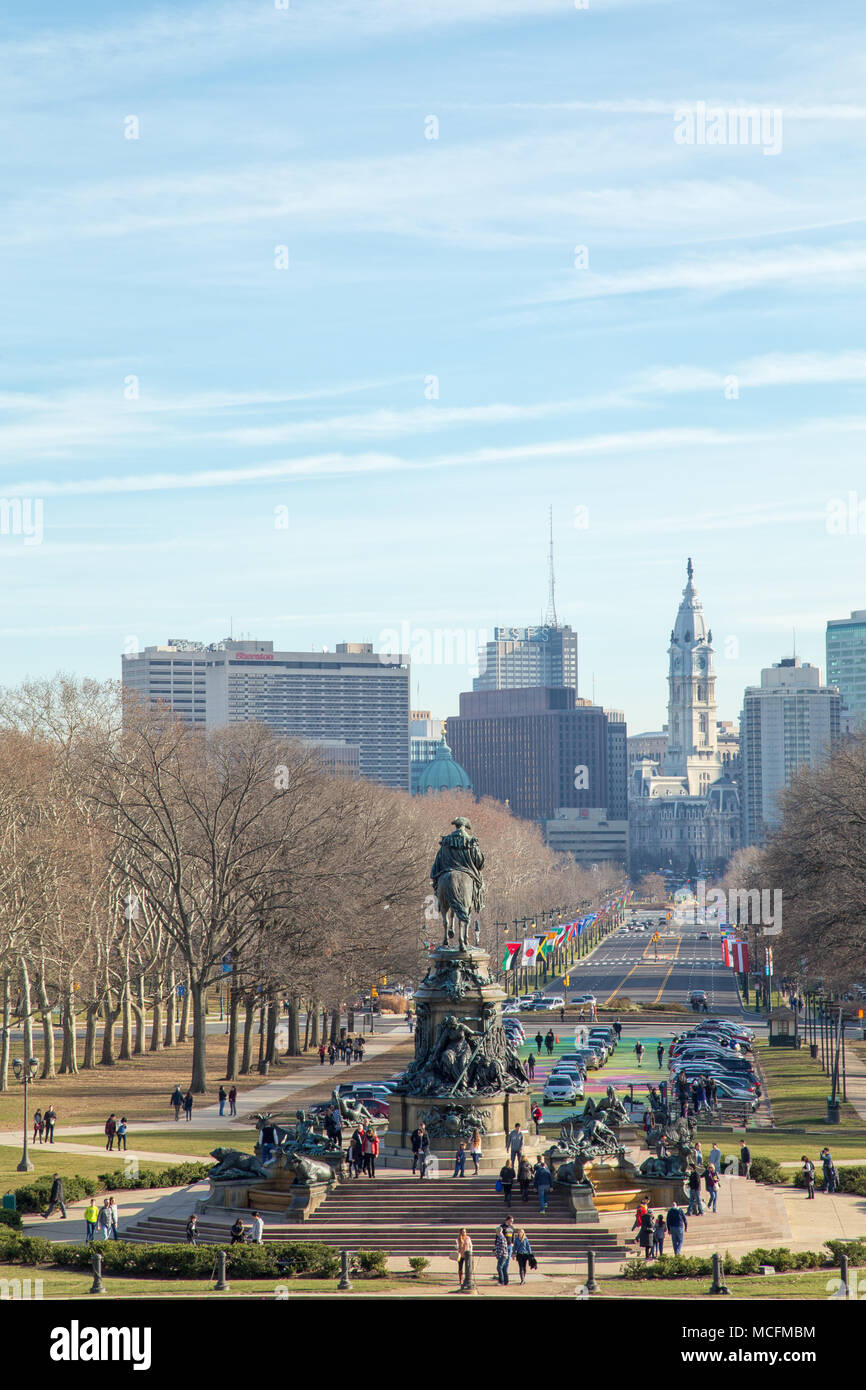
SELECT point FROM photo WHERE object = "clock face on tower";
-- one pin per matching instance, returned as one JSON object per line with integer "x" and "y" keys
{"x": 701, "y": 662}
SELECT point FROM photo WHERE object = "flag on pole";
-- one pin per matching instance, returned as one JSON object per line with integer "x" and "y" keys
{"x": 547, "y": 944}
{"x": 530, "y": 950}
{"x": 726, "y": 952}
{"x": 512, "y": 950}
{"x": 740, "y": 956}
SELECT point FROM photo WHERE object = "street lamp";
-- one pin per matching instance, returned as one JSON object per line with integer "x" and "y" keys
{"x": 25, "y": 1072}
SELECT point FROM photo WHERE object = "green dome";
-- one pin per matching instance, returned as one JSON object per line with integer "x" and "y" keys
{"x": 443, "y": 774}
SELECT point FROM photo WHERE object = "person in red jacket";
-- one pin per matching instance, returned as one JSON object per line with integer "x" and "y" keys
{"x": 370, "y": 1147}
{"x": 537, "y": 1116}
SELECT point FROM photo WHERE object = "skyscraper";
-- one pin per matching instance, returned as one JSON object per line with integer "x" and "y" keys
{"x": 790, "y": 719}
{"x": 518, "y": 657}
{"x": 352, "y": 695}
{"x": 846, "y": 665}
{"x": 686, "y": 817}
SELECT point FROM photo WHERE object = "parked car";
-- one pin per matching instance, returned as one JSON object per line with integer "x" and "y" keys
{"x": 584, "y": 999}
{"x": 511, "y": 1008}
{"x": 551, "y": 1001}
{"x": 560, "y": 1090}
{"x": 573, "y": 1075}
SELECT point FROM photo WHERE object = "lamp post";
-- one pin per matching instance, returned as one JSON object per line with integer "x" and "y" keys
{"x": 25, "y": 1072}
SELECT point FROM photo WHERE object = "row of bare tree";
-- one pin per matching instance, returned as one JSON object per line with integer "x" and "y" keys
{"x": 139, "y": 855}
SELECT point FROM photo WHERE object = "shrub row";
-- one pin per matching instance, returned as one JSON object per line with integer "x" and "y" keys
{"x": 851, "y": 1179}
{"x": 11, "y": 1218}
{"x": 767, "y": 1170}
{"x": 34, "y": 1196}
{"x": 694, "y": 1266}
{"x": 278, "y": 1260}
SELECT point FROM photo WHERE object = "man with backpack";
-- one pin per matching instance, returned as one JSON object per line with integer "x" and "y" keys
{"x": 677, "y": 1224}
{"x": 55, "y": 1198}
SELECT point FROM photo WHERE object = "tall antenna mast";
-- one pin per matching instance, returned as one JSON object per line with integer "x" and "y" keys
{"x": 550, "y": 619}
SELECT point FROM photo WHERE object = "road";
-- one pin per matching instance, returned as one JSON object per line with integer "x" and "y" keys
{"x": 628, "y": 963}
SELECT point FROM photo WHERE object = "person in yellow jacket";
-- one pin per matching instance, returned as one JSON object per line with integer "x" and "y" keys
{"x": 91, "y": 1216}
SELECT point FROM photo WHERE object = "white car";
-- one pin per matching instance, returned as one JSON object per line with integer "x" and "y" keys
{"x": 560, "y": 1090}
{"x": 552, "y": 1001}
{"x": 573, "y": 1073}
{"x": 585, "y": 999}
{"x": 511, "y": 1008}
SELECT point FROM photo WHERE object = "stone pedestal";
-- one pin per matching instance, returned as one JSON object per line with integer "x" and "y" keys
{"x": 460, "y": 1043}
{"x": 581, "y": 1203}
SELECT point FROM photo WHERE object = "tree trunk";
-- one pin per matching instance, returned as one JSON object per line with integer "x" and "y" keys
{"x": 169, "y": 1010}
{"x": 138, "y": 1009}
{"x": 184, "y": 1029}
{"x": 4, "y": 1042}
{"x": 335, "y": 1024}
{"x": 90, "y": 1038}
{"x": 294, "y": 1047}
{"x": 309, "y": 1015}
{"x": 109, "y": 1018}
{"x": 48, "y": 1064}
{"x": 313, "y": 1023}
{"x": 350, "y": 1021}
{"x": 261, "y": 1030}
{"x": 198, "y": 1084}
{"x": 232, "y": 1053}
{"x": 271, "y": 1040}
{"x": 249, "y": 1020}
{"x": 125, "y": 1024}
{"x": 156, "y": 1027}
{"x": 69, "y": 1055}
{"x": 26, "y": 1011}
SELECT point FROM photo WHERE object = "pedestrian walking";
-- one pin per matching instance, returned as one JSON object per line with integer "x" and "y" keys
{"x": 696, "y": 1206}
{"x": 104, "y": 1221}
{"x": 715, "y": 1158}
{"x": 464, "y": 1252}
{"x": 420, "y": 1141}
{"x": 831, "y": 1182}
{"x": 711, "y": 1180}
{"x": 187, "y": 1105}
{"x": 192, "y": 1230}
{"x": 522, "y": 1251}
{"x": 537, "y": 1117}
{"x": 113, "y": 1218}
{"x": 475, "y": 1150}
{"x": 122, "y": 1128}
{"x": 372, "y": 1141}
{"x": 677, "y": 1224}
{"x": 460, "y": 1161}
{"x": 514, "y": 1143}
{"x": 543, "y": 1181}
{"x": 745, "y": 1159}
{"x": 222, "y": 1096}
{"x": 347, "y": 1053}
{"x": 809, "y": 1177}
{"x": 699, "y": 1157}
{"x": 321, "y": 1054}
{"x": 50, "y": 1118}
{"x": 530, "y": 1066}
{"x": 501, "y": 1251}
{"x": 176, "y": 1101}
{"x": 91, "y": 1219}
{"x": 38, "y": 1126}
{"x": 539, "y": 1042}
{"x": 639, "y": 1051}
{"x": 617, "y": 1028}
{"x": 110, "y": 1131}
{"x": 356, "y": 1153}
{"x": 258, "y": 1232}
{"x": 332, "y": 1054}
{"x": 56, "y": 1197}
{"x": 233, "y": 1098}
{"x": 639, "y": 1215}
{"x": 645, "y": 1234}
{"x": 660, "y": 1053}
{"x": 506, "y": 1178}
{"x": 549, "y": 1041}
{"x": 659, "y": 1233}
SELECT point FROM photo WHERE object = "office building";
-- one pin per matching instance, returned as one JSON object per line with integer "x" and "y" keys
{"x": 788, "y": 720}
{"x": 425, "y": 736}
{"x": 846, "y": 666}
{"x": 589, "y": 835}
{"x": 518, "y": 657}
{"x": 352, "y": 695}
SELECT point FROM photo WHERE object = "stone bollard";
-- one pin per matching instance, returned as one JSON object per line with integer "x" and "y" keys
{"x": 345, "y": 1281}
{"x": 468, "y": 1285}
{"x": 221, "y": 1286}
{"x": 592, "y": 1284}
{"x": 845, "y": 1291}
{"x": 719, "y": 1285}
{"x": 97, "y": 1286}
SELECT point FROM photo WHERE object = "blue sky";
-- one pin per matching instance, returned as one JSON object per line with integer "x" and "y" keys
{"x": 694, "y": 383}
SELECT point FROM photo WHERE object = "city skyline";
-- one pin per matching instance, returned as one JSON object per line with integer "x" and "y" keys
{"x": 317, "y": 356}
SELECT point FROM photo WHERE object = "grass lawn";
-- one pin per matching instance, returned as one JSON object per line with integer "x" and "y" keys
{"x": 141, "y": 1087}
{"x": 798, "y": 1284}
{"x": 71, "y": 1283}
{"x": 48, "y": 1161}
{"x": 785, "y": 1148}
{"x": 179, "y": 1140}
{"x": 798, "y": 1089}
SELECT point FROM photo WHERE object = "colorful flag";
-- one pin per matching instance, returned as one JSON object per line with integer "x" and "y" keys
{"x": 512, "y": 950}
{"x": 530, "y": 950}
{"x": 726, "y": 952}
{"x": 740, "y": 957}
{"x": 547, "y": 944}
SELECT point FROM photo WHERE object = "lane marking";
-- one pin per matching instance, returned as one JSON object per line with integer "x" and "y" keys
{"x": 668, "y": 975}
{"x": 616, "y": 991}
